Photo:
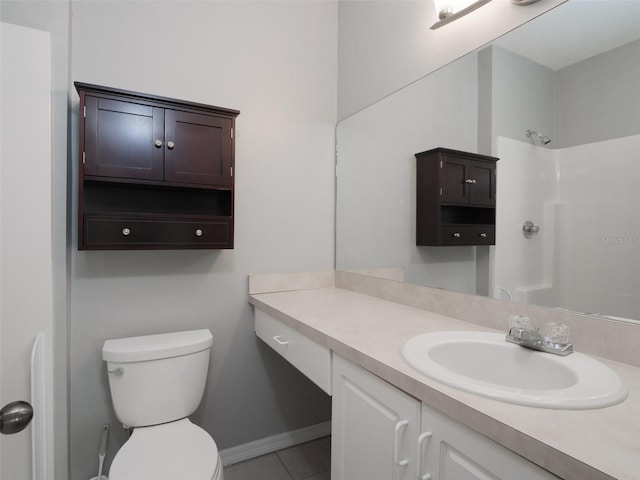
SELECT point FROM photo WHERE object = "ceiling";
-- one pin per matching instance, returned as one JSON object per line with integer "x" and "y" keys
{"x": 574, "y": 31}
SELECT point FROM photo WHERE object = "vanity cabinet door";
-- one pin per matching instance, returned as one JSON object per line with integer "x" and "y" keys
{"x": 374, "y": 427}
{"x": 450, "y": 451}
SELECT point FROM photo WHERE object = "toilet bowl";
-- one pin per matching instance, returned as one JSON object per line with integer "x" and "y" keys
{"x": 156, "y": 382}
{"x": 172, "y": 451}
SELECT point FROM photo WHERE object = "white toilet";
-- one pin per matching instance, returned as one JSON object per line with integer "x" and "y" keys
{"x": 156, "y": 382}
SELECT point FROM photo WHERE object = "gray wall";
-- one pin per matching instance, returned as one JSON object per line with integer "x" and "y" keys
{"x": 377, "y": 176}
{"x": 238, "y": 55}
{"x": 611, "y": 83}
{"x": 522, "y": 96}
{"x": 386, "y": 45}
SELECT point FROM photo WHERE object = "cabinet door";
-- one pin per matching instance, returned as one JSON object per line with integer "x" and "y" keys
{"x": 454, "y": 452}
{"x": 374, "y": 427}
{"x": 120, "y": 139}
{"x": 453, "y": 179}
{"x": 198, "y": 148}
{"x": 483, "y": 190}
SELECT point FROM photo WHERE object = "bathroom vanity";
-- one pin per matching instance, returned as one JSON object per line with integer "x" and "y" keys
{"x": 407, "y": 425}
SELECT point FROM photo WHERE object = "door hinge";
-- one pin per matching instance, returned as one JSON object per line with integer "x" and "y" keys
{"x": 440, "y": 163}
{"x": 232, "y": 133}
{"x": 84, "y": 112}
{"x": 440, "y": 191}
{"x": 231, "y": 171}
{"x": 83, "y": 157}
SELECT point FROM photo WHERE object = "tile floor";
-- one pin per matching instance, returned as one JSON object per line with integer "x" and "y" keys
{"x": 307, "y": 461}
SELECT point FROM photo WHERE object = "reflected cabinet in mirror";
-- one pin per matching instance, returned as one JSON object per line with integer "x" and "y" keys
{"x": 558, "y": 101}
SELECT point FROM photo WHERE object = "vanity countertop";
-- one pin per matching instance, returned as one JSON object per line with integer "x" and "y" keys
{"x": 572, "y": 444}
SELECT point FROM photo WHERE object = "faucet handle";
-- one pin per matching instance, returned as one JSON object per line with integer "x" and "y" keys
{"x": 519, "y": 322}
{"x": 556, "y": 333}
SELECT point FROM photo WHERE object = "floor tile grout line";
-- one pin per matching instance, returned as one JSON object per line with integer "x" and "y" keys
{"x": 316, "y": 474}
{"x": 284, "y": 465}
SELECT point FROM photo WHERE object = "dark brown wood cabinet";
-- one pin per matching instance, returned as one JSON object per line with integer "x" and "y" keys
{"x": 456, "y": 198}
{"x": 155, "y": 172}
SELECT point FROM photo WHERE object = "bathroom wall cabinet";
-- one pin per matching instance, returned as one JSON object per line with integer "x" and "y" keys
{"x": 456, "y": 198}
{"x": 399, "y": 438}
{"x": 155, "y": 172}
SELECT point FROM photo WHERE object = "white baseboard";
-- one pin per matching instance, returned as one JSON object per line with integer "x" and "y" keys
{"x": 246, "y": 451}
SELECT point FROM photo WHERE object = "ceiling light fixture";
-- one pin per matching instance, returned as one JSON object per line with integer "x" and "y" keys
{"x": 450, "y": 10}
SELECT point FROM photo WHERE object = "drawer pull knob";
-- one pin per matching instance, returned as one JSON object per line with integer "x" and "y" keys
{"x": 456, "y": 235}
{"x": 126, "y": 231}
{"x": 170, "y": 145}
{"x": 198, "y": 233}
{"x": 483, "y": 235}
{"x": 158, "y": 143}
{"x": 279, "y": 340}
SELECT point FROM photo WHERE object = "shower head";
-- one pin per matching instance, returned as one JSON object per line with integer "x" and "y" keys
{"x": 541, "y": 138}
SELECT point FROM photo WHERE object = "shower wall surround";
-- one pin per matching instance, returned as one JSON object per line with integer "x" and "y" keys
{"x": 571, "y": 193}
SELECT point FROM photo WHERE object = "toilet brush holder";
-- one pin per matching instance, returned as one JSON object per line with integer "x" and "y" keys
{"x": 102, "y": 452}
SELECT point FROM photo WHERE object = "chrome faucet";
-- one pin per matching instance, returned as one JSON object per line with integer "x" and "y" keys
{"x": 526, "y": 336}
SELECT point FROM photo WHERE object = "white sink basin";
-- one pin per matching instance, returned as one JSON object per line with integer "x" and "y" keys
{"x": 485, "y": 364}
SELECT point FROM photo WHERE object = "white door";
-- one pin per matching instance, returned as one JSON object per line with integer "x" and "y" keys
{"x": 374, "y": 427}
{"x": 25, "y": 247}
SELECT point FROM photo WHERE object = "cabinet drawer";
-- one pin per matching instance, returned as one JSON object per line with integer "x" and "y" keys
{"x": 130, "y": 232}
{"x": 309, "y": 357}
{"x": 468, "y": 235}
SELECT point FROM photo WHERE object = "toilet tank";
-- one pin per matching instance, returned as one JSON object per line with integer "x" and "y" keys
{"x": 157, "y": 378}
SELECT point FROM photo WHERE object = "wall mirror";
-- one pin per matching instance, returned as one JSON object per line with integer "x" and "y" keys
{"x": 572, "y": 75}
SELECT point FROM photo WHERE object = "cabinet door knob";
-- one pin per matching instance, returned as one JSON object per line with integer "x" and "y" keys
{"x": 198, "y": 233}
{"x": 158, "y": 143}
{"x": 483, "y": 235}
{"x": 456, "y": 235}
{"x": 170, "y": 145}
{"x": 126, "y": 231}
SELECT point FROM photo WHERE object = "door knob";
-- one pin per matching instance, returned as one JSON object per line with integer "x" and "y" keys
{"x": 15, "y": 416}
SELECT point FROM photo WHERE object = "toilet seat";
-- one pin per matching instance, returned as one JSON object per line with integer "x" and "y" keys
{"x": 177, "y": 450}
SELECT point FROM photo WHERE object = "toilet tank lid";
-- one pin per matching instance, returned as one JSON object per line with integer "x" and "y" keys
{"x": 153, "y": 347}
